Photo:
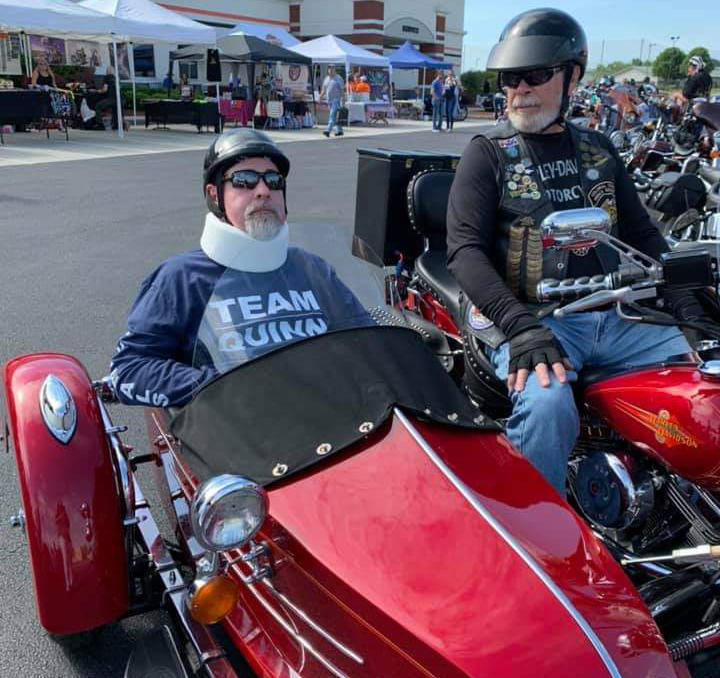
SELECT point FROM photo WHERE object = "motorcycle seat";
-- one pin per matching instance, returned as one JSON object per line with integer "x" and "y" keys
{"x": 434, "y": 339}
{"x": 710, "y": 174}
{"x": 432, "y": 268}
{"x": 708, "y": 113}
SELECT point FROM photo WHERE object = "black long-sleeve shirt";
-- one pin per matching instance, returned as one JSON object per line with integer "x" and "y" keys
{"x": 697, "y": 85}
{"x": 473, "y": 210}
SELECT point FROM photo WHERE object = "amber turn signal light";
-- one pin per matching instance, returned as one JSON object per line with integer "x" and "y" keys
{"x": 210, "y": 600}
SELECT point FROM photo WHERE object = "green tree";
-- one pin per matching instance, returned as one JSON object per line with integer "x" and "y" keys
{"x": 701, "y": 52}
{"x": 668, "y": 64}
{"x": 473, "y": 82}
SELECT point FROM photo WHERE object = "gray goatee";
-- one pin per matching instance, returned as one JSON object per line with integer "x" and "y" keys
{"x": 262, "y": 225}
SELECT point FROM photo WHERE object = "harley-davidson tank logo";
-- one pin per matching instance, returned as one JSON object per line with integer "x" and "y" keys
{"x": 666, "y": 428}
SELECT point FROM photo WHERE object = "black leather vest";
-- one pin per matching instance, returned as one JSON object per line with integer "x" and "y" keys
{"x": 518, "y": 251}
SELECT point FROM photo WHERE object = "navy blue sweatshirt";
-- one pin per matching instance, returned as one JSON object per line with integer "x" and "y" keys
{"x": 239, "y": 315}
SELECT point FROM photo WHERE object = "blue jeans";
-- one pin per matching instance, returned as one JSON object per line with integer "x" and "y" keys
{"x": 544, "y": 423}
{"x": 450, "y": 112}
{"x": 332, "y": 118}
{"x": 437, "y": 105}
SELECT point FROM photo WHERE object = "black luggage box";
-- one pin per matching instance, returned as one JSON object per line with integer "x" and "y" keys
{"x": 381, "y": 215}
{"x": 674, "y": 193}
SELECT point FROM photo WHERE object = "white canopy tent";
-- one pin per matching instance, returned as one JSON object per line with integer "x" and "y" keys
{"x": 272, "y": 34}
{"x": 148, "y": 21}
{"x": 68, "y": 20}
{"x": 329, "y": 49}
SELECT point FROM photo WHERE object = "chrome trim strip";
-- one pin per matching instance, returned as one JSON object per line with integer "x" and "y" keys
{"x": 215, "y": 663}
{"x": 514, "y": 545}
{"x": 290, "y": 631}
{"x": 313, "y": 625}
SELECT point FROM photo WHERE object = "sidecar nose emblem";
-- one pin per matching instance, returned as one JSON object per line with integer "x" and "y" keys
{"x": 58, "y": 409}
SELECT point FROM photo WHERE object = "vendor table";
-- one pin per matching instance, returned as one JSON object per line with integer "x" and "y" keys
{"x": 297, "y": 108}
{"x": 237, "y": 111}
{"x": 369, "y": 111}
{"x": 23, "y": 106}
{"x": 409, "y": 108}
{"x": 175, "y": 111}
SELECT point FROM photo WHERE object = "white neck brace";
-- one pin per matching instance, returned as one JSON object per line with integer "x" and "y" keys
{"x": 231, "y": 247}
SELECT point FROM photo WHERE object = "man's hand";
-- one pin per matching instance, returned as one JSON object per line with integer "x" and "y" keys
{"x": 535, "y": 349}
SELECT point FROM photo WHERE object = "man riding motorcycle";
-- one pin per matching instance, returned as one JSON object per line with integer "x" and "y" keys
{"x": 279, "y": 294}
{"x": 698, "y": 83}
{"x": 507, "y": 181}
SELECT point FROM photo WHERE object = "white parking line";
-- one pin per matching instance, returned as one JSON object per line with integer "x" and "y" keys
{"x": 34, "y": 147}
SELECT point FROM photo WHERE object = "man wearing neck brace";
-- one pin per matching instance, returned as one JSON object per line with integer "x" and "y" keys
{"x": 262, "y": 292}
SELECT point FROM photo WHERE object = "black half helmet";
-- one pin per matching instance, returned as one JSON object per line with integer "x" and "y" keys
{"x": 540, "y": 38}
{"x": 231, "y": 147}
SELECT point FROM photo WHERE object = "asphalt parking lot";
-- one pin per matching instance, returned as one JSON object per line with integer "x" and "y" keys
{"x": 78, "y": 235}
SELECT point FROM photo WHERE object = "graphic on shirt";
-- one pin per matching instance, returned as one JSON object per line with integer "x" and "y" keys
{"x": 244, "y": 324}
{"x": 562, "y": 180}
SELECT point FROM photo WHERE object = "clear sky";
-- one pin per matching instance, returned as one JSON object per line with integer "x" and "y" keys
{"x": 622, "y": 24}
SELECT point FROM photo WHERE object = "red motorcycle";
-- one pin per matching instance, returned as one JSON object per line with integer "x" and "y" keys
{"x": 339, "y": 508}
{"x": 645, "y": 473}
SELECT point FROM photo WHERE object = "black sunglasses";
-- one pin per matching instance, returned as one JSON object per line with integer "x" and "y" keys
{"x": 534, "y": 77}
{"x": 250, "y": 179}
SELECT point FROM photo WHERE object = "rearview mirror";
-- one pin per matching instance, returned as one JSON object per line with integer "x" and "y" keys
{"x": 569, "y": 228}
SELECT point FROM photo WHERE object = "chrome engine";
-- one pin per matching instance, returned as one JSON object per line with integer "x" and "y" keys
{"x": 612, "y": 490}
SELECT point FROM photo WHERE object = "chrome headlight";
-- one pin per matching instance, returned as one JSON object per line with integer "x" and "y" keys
{"x": 617, "y": 138}
{"x": 227, "y": 511}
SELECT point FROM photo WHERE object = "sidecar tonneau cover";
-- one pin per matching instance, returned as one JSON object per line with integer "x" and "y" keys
{"x": 291, "y": 408}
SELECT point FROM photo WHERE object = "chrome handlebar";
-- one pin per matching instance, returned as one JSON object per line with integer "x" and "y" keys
{"x": 572, "y": 288}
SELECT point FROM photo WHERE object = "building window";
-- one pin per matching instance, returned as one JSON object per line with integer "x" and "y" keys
{"x": 144, "y": 56}
{"x": 189, "y": 68}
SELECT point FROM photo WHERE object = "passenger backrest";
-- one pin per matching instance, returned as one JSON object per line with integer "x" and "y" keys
{"x": 427, "y": 197}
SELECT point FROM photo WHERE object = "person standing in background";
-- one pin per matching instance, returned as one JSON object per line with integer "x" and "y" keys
{"x": 332, "y": 90}
{"x": 436, "y": 90}
{"x": 449, "y": 96}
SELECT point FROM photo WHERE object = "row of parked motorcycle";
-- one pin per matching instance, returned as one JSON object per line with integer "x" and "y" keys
{"x": 671, "y": 151}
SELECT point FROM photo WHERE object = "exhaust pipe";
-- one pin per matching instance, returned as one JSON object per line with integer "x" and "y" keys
{"x": 700, "y": 640}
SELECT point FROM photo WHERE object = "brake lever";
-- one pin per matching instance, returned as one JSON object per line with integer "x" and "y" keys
{"x": 599, "y": 298}
{"x": 602, "y": 297}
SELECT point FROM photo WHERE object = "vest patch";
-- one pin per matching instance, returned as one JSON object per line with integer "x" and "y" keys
{"x": 602, "y": 195}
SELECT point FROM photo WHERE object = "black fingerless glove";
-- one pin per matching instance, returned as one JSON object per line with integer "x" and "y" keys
{"x": 532, "y": 347}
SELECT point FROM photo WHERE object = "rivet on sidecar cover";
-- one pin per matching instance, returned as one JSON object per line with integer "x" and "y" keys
{"x": 323, "y": 449}
{"x": 366, "y": 427}
{"x": 280, "y": 470}
{"x": 452, "y": 416}
{"x": 58, "y": 409}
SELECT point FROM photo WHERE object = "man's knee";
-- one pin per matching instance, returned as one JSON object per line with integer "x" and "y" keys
{"x": 554, "y": 405}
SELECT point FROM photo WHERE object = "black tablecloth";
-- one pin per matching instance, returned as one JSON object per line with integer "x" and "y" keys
{"x": 22, "y": 106}
{"x": 295, "y": 107}
{"x": 174, "y": 111}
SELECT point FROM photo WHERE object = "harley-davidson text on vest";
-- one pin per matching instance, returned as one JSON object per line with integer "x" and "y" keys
{"x": 519, "y": 255}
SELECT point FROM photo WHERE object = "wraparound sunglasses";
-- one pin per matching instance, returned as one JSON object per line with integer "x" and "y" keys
{"x": 250, "y": 179}
{"x": 534, "y": 77}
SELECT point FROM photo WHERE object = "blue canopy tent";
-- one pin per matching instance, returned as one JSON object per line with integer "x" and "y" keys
{"x": 408, "y": 58}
